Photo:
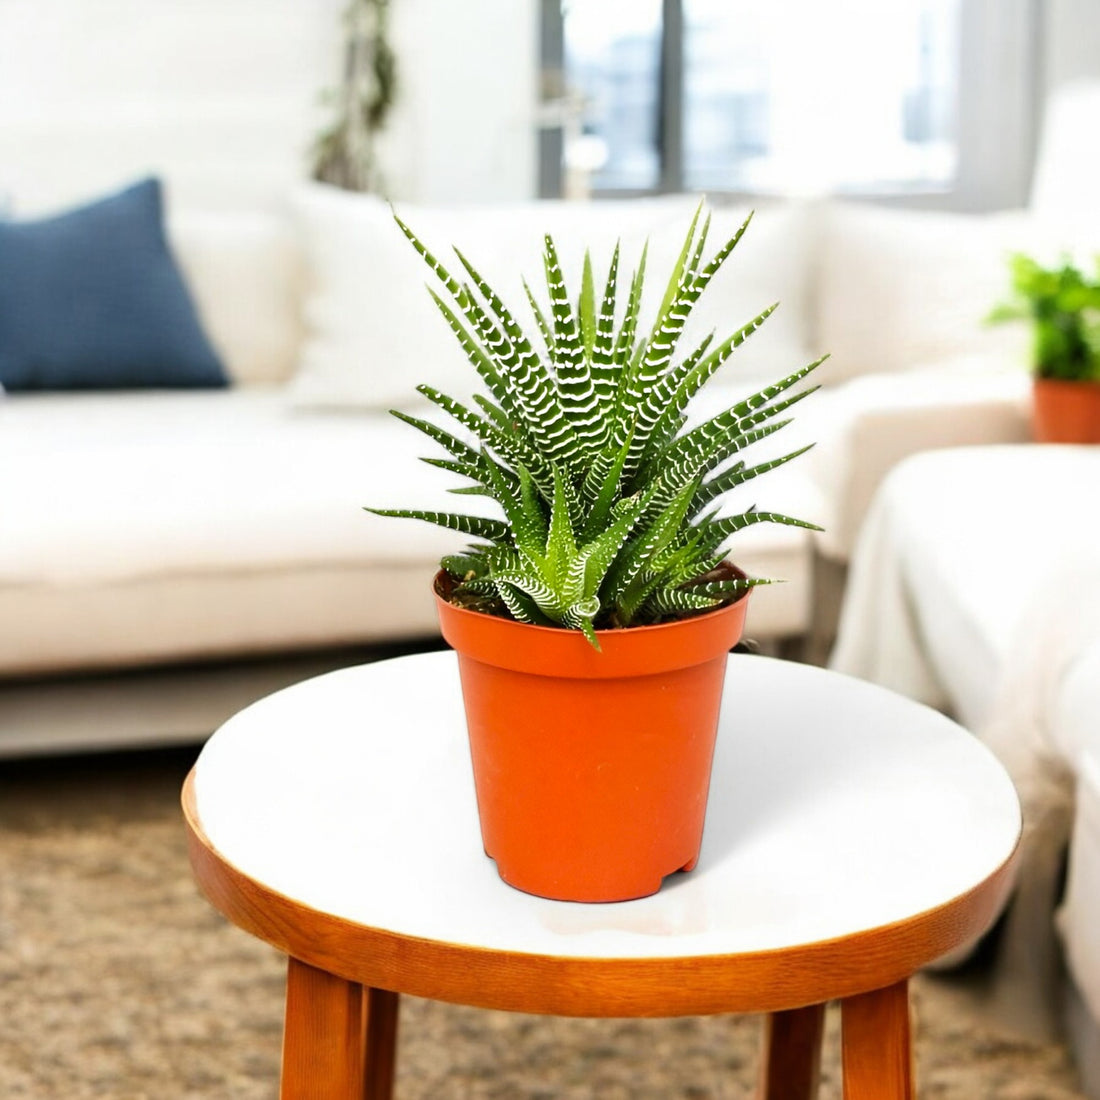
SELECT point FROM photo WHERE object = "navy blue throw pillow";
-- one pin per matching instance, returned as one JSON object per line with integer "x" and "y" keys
{"x": 92, "y": 299}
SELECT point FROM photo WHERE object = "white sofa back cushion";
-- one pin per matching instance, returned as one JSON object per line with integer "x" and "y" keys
{"x": 373, "y": 332}
{"x": 1067, "y": 169}
{"x": 244, "y": 270}
{"x": 772, "y": 263}
{"x": 899, "y": 289}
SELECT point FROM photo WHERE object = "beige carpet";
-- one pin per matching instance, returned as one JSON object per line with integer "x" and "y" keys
{"x": 118, "y": 981}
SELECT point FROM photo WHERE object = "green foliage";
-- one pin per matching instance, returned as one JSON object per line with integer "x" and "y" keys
{"x": 344, "y": 152}
{"x": 1063, "y": 305}
{"x": 607, "y": 500}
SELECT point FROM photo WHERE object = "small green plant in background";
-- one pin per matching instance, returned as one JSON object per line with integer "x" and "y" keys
{"x": 344, "y": 153}
{"x": 1063, "y": 305}
{"x": 609, "y": 503}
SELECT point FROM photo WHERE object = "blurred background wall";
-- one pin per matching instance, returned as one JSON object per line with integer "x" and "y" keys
{"x": 224, "y": 97}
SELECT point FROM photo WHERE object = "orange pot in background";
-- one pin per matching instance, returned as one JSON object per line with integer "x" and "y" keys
{"x": 592, "y": 768}
{"x": 1065, "y": 412}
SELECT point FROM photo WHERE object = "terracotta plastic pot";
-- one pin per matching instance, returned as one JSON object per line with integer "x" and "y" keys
{"x": 592, "y": 768}
{"x": 1065, "y": 412}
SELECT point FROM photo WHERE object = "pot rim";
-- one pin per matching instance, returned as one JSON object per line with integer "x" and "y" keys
{"x": 556, "y": 631}
{"x": 1060, "y": 383}
{"x": 564, "y": 652}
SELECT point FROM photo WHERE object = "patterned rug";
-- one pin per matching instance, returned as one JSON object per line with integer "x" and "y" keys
{"x": 118, "y": 981}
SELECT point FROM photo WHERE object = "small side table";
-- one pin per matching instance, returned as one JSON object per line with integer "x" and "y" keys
{"x": 851, "y": 837}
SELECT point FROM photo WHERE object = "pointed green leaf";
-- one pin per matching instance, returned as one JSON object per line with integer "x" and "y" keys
{"x": 676, "y": 277}
{"x": 540, "y": 319}
{"x": 674, "y": 390}
{"x": 586, "y": 306}
{"x": 481, "y": 362}
{"x": 572, "y": 362}
{"x": 738, "y": 475}
{"x": 723, "y": 528}
{"x": 561, "y": 545}
{"x": 722, "y": 590}
{"x": 607, "y": 492}
{"x": 462, "y": 451}
{"x": 520, "y": 508}
{"x": 477, "y": 526}
{"x": 532, "y": 386}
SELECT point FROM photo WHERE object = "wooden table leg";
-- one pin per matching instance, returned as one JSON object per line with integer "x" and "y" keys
{"x": 380, "y": 1006}
{"x": 339, "y": 1039}
{"x": 876, "y": 1045}
{"x": 791, "y": 1065}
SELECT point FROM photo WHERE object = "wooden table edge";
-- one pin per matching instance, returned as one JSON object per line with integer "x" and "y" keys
{"x": 760, "y": 981}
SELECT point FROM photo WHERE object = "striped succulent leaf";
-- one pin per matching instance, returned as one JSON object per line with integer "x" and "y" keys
{"x": 654, "y": 401}
{"x": 586, "y": 307}
{"x": 573, "y": 349}
{"x": 701, "y": 596}
{"x": 478, "y": 490}
{"x": 468, "y": 566}
{"x": 682, "y": 383}
{"x": 512, "y": 447}
{"x": 624, "y": 344}
{"x": 679, "y": 601}
{"x": 606, "y": 500}
{"x": 675, "y": 475}
{"x": 545, "y": 331}
{"x": 720, "y": 529}
{"x": 521, "y": 509}
{"x": 636, "y": 389}
{"x": 463, "y": 469}
{"x": 537, "y": 397}
{"x": 520, "y": 605}
{"x": 462, "y": 451}
{"x": 477, "y": 526}
{"x": 737, "y": 475}
{"x": 711, "y": 443}
{"x": 622, "y": 587}
{"x": 602, "y": 486}
{"x": 721, "y": 589}
{"x": 475, "y": 352}
{"x": 603, "y": 348}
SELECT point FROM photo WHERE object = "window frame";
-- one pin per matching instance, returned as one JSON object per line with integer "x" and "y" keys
{"x": 999, "y": 104}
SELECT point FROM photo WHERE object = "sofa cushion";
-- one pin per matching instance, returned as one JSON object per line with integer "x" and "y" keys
{"x": 161, "y": 527}
{"x": 373, "y": 332}
{"x": 244, "y": 270}
{"x": 92, "y": 299}
{"x": 900, "y": 289}
{"x": 964, "y": 555}
{"x": 875, "y": 421}
{"x": 1067, "y": 170}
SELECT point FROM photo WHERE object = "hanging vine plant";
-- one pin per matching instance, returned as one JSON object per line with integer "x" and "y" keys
{"x": 344, "y": 153}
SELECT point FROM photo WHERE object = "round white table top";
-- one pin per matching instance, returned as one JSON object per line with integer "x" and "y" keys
{"x": 835, "y": 807}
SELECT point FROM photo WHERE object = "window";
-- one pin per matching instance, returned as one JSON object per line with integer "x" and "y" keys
{"x": 790, "y": 96}
{"x": 613, "y": 69}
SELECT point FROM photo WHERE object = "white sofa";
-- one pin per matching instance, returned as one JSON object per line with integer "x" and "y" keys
{"x": 974, "y": 587}
{"x": 168, "y": 555}
{"x": 1077, "y": 919}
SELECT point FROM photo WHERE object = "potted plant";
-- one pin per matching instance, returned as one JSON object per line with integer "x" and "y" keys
{"x": 1063, "y": 305}
{"x": 593, "y": 619}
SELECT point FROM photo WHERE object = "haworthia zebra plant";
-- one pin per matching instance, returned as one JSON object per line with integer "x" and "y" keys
{"x": 609, "y": 516}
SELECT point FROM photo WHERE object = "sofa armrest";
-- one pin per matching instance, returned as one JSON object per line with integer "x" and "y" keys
{"x": 1077, "y": 917}
{"x": 1072, "y": 722}
{"x": 871, "y": 423}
